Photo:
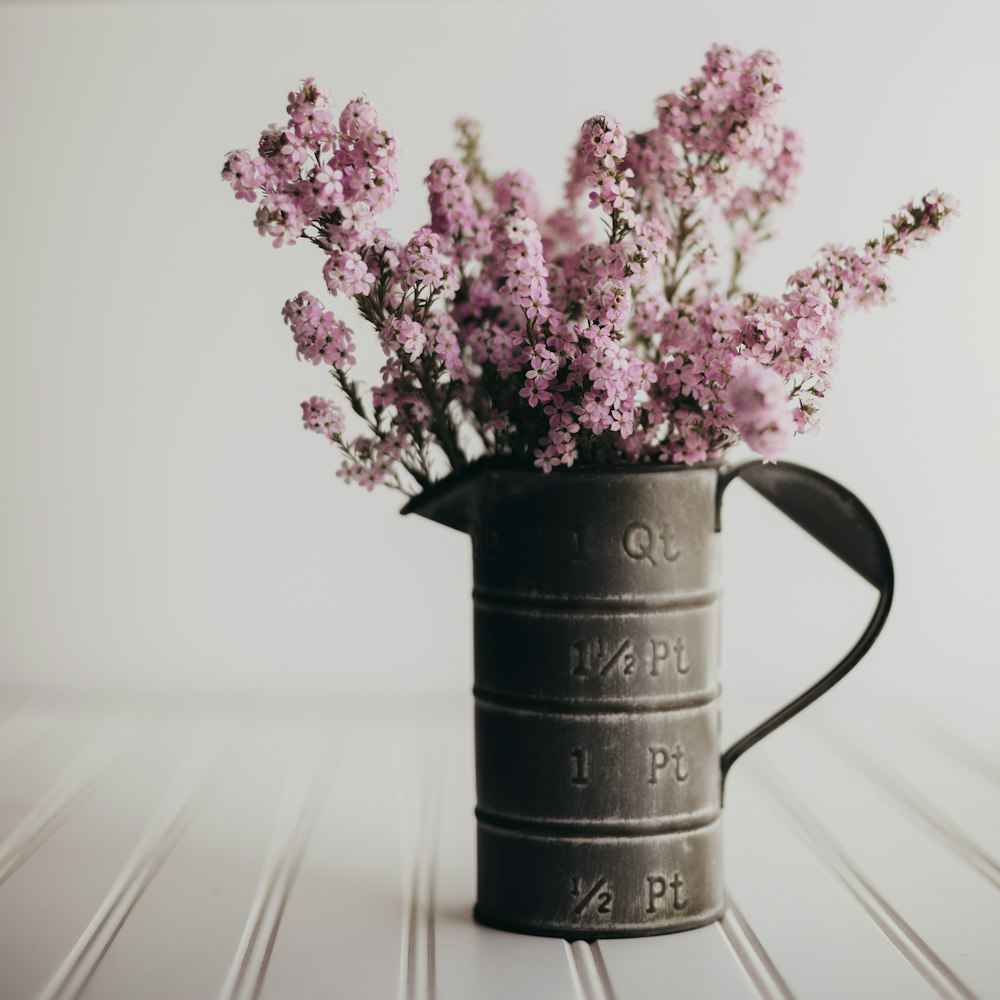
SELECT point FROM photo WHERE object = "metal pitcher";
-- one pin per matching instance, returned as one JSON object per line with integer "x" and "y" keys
{"x": 599, "y": 772}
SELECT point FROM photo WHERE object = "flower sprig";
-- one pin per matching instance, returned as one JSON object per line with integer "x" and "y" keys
{"x": 511, "y": 330}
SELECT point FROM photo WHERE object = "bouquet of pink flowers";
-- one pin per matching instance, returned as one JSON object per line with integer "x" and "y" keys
{"x": 510, "y": 330}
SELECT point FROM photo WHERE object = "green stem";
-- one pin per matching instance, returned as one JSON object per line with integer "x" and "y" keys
{"x": 442, "y": 426}
{"x": 673, "y": 278}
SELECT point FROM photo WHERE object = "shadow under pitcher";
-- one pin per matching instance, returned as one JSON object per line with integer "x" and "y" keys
{"x": 599, "y": 772}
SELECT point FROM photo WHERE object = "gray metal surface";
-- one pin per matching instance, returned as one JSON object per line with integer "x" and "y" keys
{"x": 597, "y": 721}
{"x": 599, "y": 768}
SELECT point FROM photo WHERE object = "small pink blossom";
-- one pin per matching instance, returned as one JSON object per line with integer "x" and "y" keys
{"x": 244, "y": 172}
{"x": 423, "y": 263}
{"x": 327, "y": 188}
{"x": 758, "y": 400}
{"x": 309, "y": 112}
{"x": 281, "y": 217}
{"x": 359, "y": 119}
{"x": 453, "y": 211}
{"x": 520, "y": 263}
{"x": 323, "y": 416}
{"x": 516, "y": 191}
{"x": 346, "y": 271}
{"x": 404, "y": 335}
{"x": 319, "y": 336}
{"x": 619, "y": 335}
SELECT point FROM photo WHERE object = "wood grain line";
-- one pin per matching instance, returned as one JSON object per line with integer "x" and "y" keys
{"x": 419, "y": 952}
{"x": 170, "y": 819}
{"x": 919, "y": 720}
{"x": 890, "y": 781}
{"x": 601, "y": 970}
{"x": 313, "y": 761}
{"x": 431, "y": 867}
{"x": 587, "y": 971}
{"x": 577, "y": 954}
{"x": 935, "y": 971}
{"x": 69, "y": 791}
{"x": 752, "y": 956}
{"x": 291, "y": 795}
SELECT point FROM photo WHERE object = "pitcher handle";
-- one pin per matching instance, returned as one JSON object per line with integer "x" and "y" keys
{"x": 836, "y": 518}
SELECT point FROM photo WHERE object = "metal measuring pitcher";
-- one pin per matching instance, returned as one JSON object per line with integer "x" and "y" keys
{"x": 599, "y": 770}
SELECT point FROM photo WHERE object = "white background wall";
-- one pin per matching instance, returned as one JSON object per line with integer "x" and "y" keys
{"x": 168, "y": 527}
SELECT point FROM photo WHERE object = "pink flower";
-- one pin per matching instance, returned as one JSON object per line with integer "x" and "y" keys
{"x": 327, "y": 188}
{"x": 603, "y": 139}
{"x": 323, "y": 416}
{"x": 346, "y": 271}
{"x": 367, "y": 157}
{"x": 520, "y": 263}
{"x": 537, "y": 336}
{"x": 758, "y": 400}
{"x": 404, "y": 335}
{"x": 359, "y": 119}
{"x": 281, "y": 217}
{"x": 423, "y": 263}
{"x": 516, "y": 190}
{"x": 598, "y": 164}
{"x": 371, "y": 463}
{"x": 608, "y": 305}
{"x": 915, "y": 222}
{"x": 453, "y": 212}
{"x": 309, "y": 113}
{"x": 319, "y": 336}
{"x": 244, "y": 172}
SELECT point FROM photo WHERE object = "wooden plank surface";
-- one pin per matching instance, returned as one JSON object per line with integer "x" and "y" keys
{"x": 318, "y": 854}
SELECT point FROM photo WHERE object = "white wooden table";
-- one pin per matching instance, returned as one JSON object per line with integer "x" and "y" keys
{"x": 313, "y": 853}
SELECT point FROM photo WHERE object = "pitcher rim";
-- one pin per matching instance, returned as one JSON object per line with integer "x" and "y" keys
{"x": 501, "y": 464}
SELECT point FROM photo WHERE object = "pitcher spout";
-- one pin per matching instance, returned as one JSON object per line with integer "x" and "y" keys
{"x": 453, "y": 501}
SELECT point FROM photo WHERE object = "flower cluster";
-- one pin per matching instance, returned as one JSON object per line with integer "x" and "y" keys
{"x": 509, "y": 329}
